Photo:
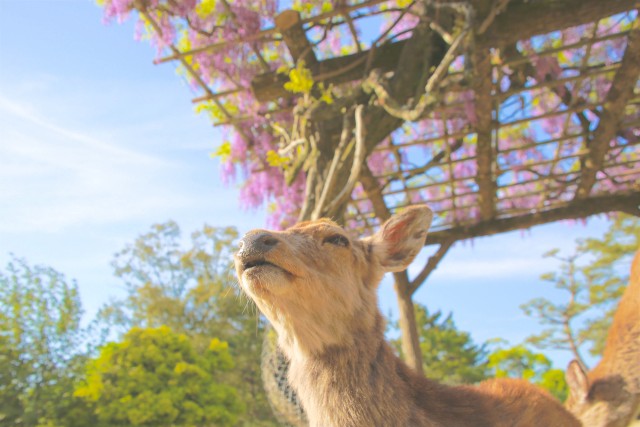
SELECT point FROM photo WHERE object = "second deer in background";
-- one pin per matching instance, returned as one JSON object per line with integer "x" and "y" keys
{"x": 609, "y": 395}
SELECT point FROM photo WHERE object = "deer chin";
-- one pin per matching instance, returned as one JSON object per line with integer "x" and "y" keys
{"x": 264, "y": 278}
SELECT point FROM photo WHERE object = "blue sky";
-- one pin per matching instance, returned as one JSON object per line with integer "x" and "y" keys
{"x": 97, "y": 144}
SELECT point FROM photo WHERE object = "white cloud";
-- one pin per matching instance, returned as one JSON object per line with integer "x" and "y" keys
{"x": 74, "y": 139}
{"x": 489, "y": 269}
{"x": 53, "y": 176}
{"x": 504, "y": 257}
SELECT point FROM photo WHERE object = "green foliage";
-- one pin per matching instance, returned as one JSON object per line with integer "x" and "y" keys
{"x": 561, "y": 317}
{"x": 608, "y": 274}
{"x": 185, "y": 289}
{"x": 520, "y": 362}
{"x": 326, "y": 93}
{"x": 155, "y": 377}
{"x": 554, "y": 382}
{"x": 216, "y": 111}
{"x": 276, "y": 160}
{"x": 223, "y": 151}
{"x": 205, "y": 8}
{"x": 11, "y": 386}
{"x": 40, "y": 355}
{"x": 448, "y": 354}
{"x": 307, "y": 8}
{"x": 190, "y": 288}
{"x": 593, "y": 288}
{"x": 300, "y": 79}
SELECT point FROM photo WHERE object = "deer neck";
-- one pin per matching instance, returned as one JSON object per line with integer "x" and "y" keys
{"x": 308, "y": 326}
{"x": 344, "y": 384}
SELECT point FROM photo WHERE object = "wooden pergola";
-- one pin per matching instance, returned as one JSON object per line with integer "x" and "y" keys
{"x": 476, "y": 147}
{"x": 601, "y": 163}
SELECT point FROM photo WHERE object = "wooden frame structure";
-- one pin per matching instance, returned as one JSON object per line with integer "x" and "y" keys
{"x": 561, "y": 194}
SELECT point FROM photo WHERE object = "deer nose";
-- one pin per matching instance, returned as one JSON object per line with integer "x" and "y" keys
{"x": 255, "y": 244}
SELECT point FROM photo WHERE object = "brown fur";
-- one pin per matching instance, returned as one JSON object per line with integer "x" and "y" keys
{"x": 320, "y": 294}
{"x": 609, "y": 395}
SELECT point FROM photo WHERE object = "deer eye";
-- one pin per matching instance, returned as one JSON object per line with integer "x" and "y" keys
{"x": 338, "y": 240}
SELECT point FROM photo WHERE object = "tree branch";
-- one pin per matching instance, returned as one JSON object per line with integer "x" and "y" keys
{"x": 428, "y": 99}
{"x": 294, "y": 36}
{"x": 430, "y": 266}
{"x": 329, "y": 182}
{"x": 356, "y": 166}
{"x": 497, "y": 8}
{"x": 374, "y": 193}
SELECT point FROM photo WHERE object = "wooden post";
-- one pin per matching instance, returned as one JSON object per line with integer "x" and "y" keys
{"x": 410, "y": 342}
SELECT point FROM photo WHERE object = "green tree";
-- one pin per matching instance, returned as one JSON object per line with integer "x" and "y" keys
{"x": 593, "y": 289}
{"x": 156, "y": 377}
{"x": 520, "y": 362}
{"x": 11, "y": 386}
{"x": 40, "y": 347}
{"x": 608, "y": 273}
{"x": 561, "y": 318}
{"x": 448, "y": 354}
{"x": 191, "y": 288}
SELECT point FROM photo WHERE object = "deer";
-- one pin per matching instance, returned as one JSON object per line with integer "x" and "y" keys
{"x": 609, "y": 395}
{"x": 317, "y": 285}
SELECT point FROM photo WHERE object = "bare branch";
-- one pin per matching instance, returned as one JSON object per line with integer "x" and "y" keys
{"x": 427, "y": 100}
{"x": 374, "y": 193}
{"x": 497, "y": 9}
{"x": 290, "y": 25}
{"x": 358, "y": 160}
{"x": 345, "y": 137}
{"x": 430, "y": 266}
{"x": 305, "y": 211}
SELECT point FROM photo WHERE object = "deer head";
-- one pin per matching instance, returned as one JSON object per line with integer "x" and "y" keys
{"x": 605, "y": 402}
{"x": 317, "y": 283}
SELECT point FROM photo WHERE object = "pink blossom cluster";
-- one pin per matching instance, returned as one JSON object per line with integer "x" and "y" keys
{"x": 540, "y": 130}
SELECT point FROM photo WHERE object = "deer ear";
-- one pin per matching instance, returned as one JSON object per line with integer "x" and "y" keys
{"x": 577, "y": 381}
{"x": 400, "y": 239}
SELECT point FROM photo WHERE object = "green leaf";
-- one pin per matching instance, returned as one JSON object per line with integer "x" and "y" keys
{"x": 300, "y": 79}
{"x": 223, "y": 151}
{"x": 205, "y": 8}
{"x": 276, "y": 160}
{"x": 151, "y": 377}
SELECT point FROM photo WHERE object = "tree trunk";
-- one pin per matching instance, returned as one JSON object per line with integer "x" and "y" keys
{"x": 410, "y": 343}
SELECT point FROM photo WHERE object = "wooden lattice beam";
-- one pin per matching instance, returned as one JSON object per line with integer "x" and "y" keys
{"x": 507, "y": 28}
{"x": 619, "y": 94}
{"x": 524, "y": 19}
{"x": 627, "y": 203}
{"x": 266, "y": 33}
{"x": 484, "y": 130}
